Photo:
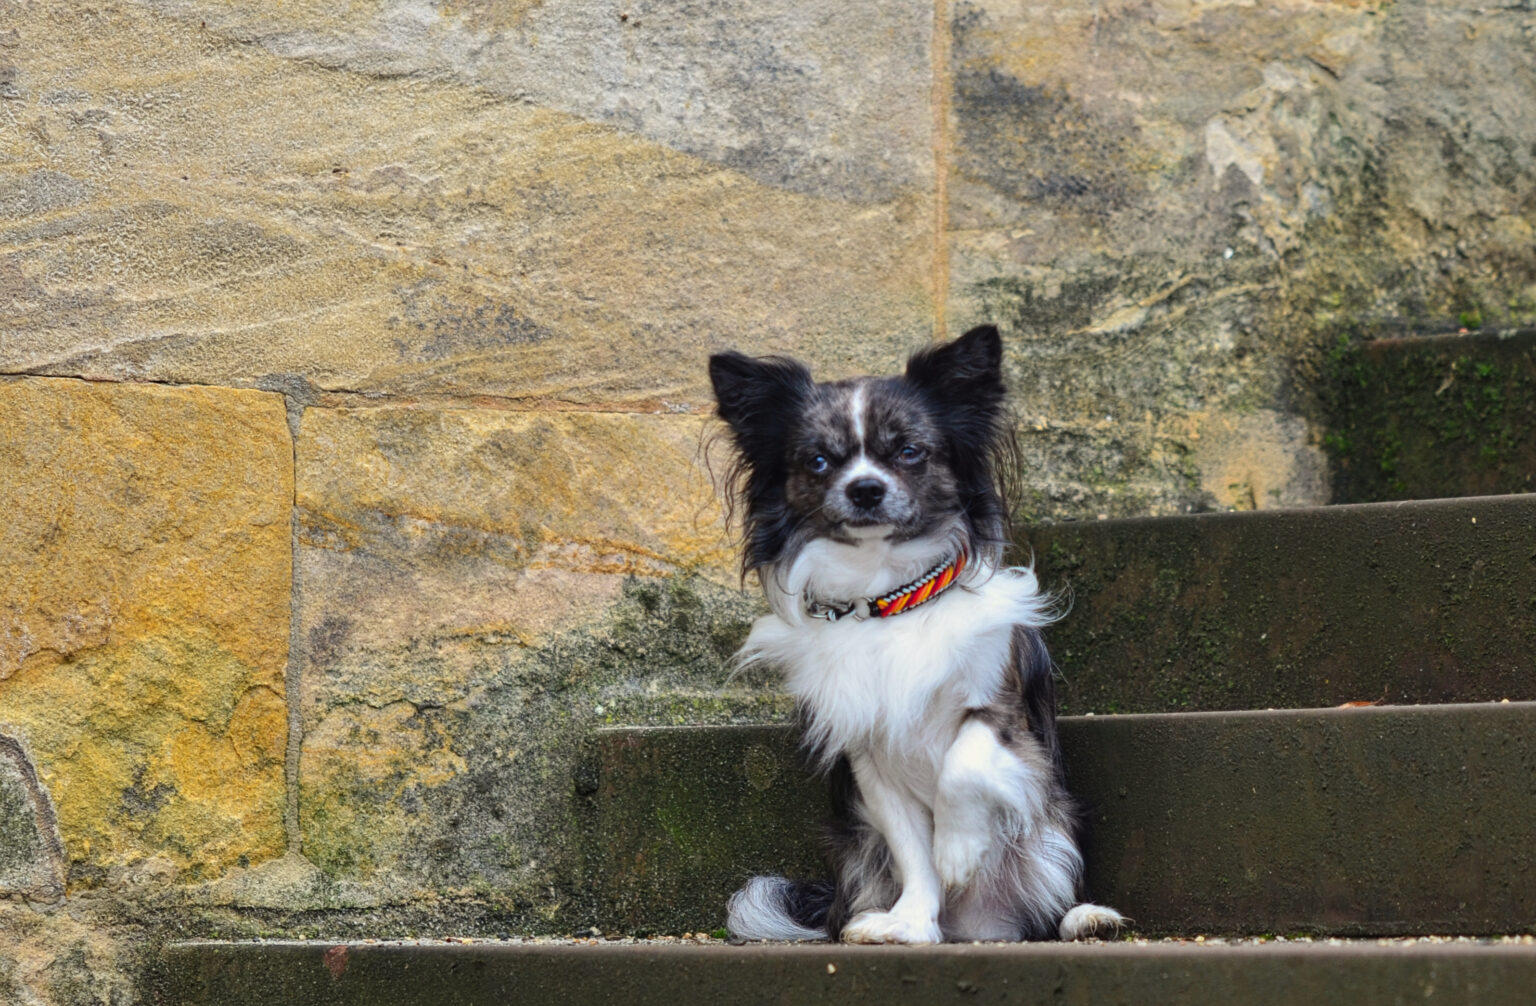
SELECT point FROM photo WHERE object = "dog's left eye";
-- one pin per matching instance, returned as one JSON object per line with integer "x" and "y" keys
{"x": 911, "y": 454}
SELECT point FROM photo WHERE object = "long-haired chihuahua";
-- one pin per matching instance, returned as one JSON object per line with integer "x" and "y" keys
{"x": 874, "y": 513}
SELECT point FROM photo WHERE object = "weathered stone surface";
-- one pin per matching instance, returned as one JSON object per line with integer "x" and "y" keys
{"x": 479, "y": 588}
{"x": 1420, "y": 418}
{"x": 448, "y": 533}
{"x": 453, "y": 209}
{"x": 1173, "y": 209}
{"x": 67, "y": 954}
{"x": 31, "y": 854}
{"x": 1429, "y": 601}
{"x": 686, "y": 815}
{"x": 1319, "y": 821}
{"x": 144, "y": 616}
{"x": 830, "y": 100}
{"x": 470, "y": 784}
{"x": 414, "y": 199}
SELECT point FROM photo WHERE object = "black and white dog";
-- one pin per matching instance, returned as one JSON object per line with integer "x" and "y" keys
{"x": 874, "y": 514}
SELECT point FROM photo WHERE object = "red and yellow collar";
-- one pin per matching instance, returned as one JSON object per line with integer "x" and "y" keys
{"x": 920, "y": 591}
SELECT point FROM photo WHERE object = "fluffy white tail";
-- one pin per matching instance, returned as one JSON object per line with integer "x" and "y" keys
{"x": 776, "y": 908}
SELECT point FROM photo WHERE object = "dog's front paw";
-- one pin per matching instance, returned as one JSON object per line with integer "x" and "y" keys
{"x": 959, "y": 853}
{"x": 889, "y": 927}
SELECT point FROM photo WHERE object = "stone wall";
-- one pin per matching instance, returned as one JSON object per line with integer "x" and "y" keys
{"x": 1173, "y": 207}
{"x": 352, "y": 392}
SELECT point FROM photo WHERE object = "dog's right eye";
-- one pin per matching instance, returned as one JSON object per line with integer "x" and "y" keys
{"x": 818, "y": 464}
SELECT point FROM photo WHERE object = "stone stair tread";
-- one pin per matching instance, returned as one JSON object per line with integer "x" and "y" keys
{"x": 1411, "y": 602}
{"x": 1362, "y": 821}
{"x": 1359, "y": 973}
{"x": 1419, "y": 417}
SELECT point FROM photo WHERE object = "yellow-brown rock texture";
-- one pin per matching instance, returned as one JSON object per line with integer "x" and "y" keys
{"x": 440, "y": 552}
{"x": 144, "y": 617}
{"x": 353, "y": 409}
{"x": 230, "y": 193}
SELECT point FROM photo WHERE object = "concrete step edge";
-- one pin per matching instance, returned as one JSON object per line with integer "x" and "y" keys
{"x": 295, "y": 974}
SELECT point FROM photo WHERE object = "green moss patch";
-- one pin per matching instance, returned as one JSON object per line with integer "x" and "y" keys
{"x": 1422, "y": 418}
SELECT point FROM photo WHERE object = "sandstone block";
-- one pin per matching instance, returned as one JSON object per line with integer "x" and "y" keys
{"x": 529, "y": 201}
{"x": 144, "y": 616}
{"x": 478, "y": 589}
{"x": 473, "y": 526}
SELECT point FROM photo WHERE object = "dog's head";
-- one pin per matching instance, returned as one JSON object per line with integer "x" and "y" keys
{"x": 897, "y": 458}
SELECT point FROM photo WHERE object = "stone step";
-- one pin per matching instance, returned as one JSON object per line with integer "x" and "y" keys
{"x": 483, "y": 974}
{"x": 1364, "y": 821}
{"x": 1414, "y": 602}
{"x": 1428, "y": 417}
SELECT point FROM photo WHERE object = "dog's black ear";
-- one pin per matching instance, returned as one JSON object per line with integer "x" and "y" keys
{"x": 968, "y": 370}
{"x": 757, "y": 397}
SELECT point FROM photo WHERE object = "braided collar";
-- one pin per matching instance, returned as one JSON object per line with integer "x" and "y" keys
{"x": 904, "y": 598}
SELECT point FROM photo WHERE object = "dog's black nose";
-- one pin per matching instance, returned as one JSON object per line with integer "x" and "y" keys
{"x": 866, "y": 493}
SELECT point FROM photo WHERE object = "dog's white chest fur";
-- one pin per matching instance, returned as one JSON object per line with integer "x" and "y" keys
{"x": 896, "y": 685}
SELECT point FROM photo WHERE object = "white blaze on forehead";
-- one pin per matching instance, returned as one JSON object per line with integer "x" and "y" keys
{"x": 862, "y": 467}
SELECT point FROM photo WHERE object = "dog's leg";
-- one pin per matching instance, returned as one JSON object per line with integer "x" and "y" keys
{"x": 1002, "y": 848}
{"x": 986, "y": 791}
{"x": 908, "y": 831}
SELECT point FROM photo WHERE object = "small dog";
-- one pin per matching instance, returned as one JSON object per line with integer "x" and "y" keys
{"x": 875, "y": 516}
